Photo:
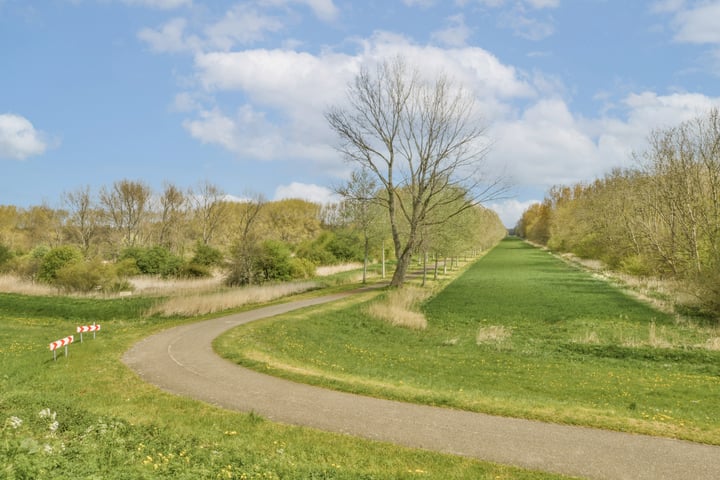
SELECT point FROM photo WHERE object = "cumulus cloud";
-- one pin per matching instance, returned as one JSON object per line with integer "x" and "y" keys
{"x": 304, "y": 191}
{"x": 168, "y": 38}
{"x": 549, "y": 145}
{"x": 510, "y": 210}
{"x": 242, "y": 25}
{"x": 698, "y": 24}
{"x": 18, "y": 138}
{"x": 455, "y": 34}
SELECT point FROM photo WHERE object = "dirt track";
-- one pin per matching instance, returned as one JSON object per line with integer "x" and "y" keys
{"x": 181, "y": 360}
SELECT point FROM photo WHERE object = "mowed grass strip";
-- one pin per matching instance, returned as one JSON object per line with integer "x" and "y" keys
{"x": 519, "y": 334}
{"x": 88, "y": 416}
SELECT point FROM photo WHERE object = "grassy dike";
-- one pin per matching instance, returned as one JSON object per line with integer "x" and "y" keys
{"x": 520, "y": 334}
{"x": 88, "y": 417}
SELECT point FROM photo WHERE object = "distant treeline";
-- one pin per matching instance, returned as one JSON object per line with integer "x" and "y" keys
{"x": 661, "y": 218}
{"x": 96, "y": 239}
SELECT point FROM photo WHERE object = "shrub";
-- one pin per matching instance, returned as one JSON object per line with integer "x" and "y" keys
{"x": 194, "y": 270}
{"x": 206, "y": 255}
{"x": 156, "y": 260}
{"x": 301, "y": 268}
{"x": 90, "y": 276}
{"x": 5, "y": 256}
{"x": 57, "y": 258}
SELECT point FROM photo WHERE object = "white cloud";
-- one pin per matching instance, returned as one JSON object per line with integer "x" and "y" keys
{"x": 419, "y": 3}
{"x": 323, "y": 9}
{"x": 160, "y": 4}
{"x": 700, "y": 24}
{"x": 296, "y": 88}
{"x": 665, "y": 6}
{"x": 510, "y": 210}
{"x": 243, "y": 25}
{"x": 18, "y": 138}
{"x": 304, "y": 191}
{"x": 455, "y": 34}
{"x": 526, "y": 26}
{"x": 169, "y": 38}
{"x": 543, "y": 3}
{"x": 547, "y": 145}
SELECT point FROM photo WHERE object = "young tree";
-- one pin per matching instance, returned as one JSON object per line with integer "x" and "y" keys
{"x": 418, "y": 136}
{"x": 360, "y": 208}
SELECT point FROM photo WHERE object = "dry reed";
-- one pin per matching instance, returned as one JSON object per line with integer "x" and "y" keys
{"x": 324, "y": 271}
{"x": 200, "y": 304}
{"x": 399, "y": 308}
{"x": 13, "y": 284}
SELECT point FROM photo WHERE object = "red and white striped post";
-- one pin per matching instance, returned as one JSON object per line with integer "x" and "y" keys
{"x": 87, "y": 328}
{"x": 63, "y": 342}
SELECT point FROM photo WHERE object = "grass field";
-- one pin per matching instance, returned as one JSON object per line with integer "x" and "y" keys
{"x": 88, "y": 417}
{"x": 520, "y": 333}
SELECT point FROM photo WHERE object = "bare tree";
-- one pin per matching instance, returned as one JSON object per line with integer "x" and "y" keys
{"x": 172, "y": 215}
{"x": 83, "y": 220}
{"x": 210, "y": 208}
{"x": 420, "y": 140}
{"x": 126, "y": 206}
{"x": 359, "y": 207}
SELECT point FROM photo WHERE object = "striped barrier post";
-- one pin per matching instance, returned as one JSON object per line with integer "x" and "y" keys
{"x": 88, "y": 328}
{"x": 63, "y": 342}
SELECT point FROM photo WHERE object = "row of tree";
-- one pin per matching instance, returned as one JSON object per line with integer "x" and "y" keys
{"x": 659, "y": 219}
{"x": 96, "y": 240}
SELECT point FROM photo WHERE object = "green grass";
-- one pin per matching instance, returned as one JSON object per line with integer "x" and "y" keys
{"x": 112, "y": 425}
{"x": 575, "y": 350}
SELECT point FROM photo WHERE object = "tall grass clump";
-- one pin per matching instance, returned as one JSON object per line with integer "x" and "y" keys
{"x": 492, "y": 334}
{"x": 14, "y": 284}
{"x": 400, "y": 308}
{"x": 201, "y": 304}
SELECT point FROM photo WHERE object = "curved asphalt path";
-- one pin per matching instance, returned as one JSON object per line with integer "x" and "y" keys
{"x": 181, "y": 361}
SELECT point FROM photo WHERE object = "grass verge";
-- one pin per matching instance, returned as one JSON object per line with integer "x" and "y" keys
{"x": 88, "y": 416}
{"x": 519, "y": 334}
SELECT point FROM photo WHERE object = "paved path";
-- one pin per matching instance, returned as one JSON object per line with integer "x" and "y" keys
{"x": 181, "y": 360}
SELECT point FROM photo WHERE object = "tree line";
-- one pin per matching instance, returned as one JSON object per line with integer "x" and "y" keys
{"x": 661, "y": 218}
{"x": 95, "y": 240}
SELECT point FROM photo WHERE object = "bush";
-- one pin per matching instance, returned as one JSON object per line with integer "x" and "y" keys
{"x": 194, "y": 270}
{"x": 301, "y": 268}
{"x": 154, "y": 261}
{"x": 90, "y": 276}
{"x": 5, "y": 256}
{"x": 206, "y": 255}
{"x": 57, "y": 258}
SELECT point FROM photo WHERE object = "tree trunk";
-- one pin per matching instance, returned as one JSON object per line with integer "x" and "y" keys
{"x": 403, "y": 262}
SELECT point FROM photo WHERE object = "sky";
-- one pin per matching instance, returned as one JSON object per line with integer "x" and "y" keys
{"x": 234, "y": 92}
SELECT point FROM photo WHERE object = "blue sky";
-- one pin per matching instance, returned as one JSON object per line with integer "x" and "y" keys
{"x": 233, "y": 92}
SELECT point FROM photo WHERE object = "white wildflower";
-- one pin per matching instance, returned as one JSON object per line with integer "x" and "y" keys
{"x": 15, "y": 422}
{"x": 48, "y": 449}
{"x": 54, "y": 426}
{"x": 47, "y": 413}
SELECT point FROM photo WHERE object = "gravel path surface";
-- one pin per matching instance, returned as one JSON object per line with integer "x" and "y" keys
{"x": 181, "y": 361}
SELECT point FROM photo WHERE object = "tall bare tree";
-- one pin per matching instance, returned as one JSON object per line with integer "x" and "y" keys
{"x": 420, "y": 139}
{"x": 172, "y": 212}
{"x": 126, "y": 206}
{"x": 210, "y": 208}
{"x": 83, "y": 222}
